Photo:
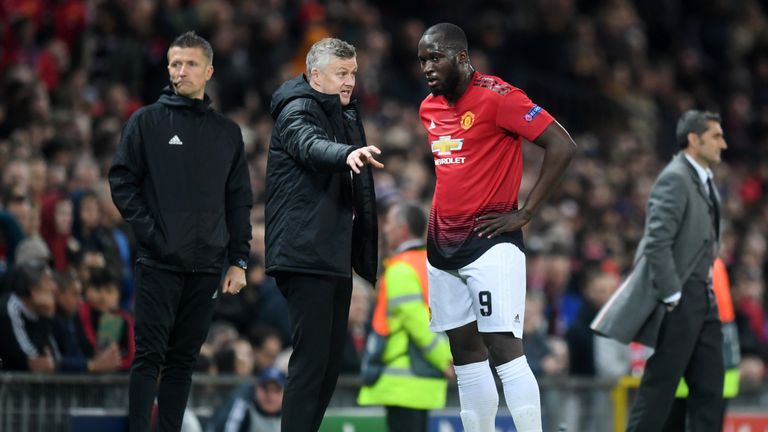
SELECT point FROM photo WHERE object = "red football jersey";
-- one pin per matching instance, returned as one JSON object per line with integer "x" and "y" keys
{"x": 477, "y": 146}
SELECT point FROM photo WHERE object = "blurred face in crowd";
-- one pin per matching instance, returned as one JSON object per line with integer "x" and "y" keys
{"x": 394, "y": 229}
{"x": 103, "y": 299}
{"x": 440, "y": 64}
{"x": 337, "y": 77}
{"x": 38, "y": 175}
{"x": 243, "y": 357}
{"x": 189, "y": 71}
{"x": 43, "y": 296}
{"x": 600, "y": 288}
{"x": 68, "y": 297}
{"x": 62, "y": 217}
{"x": 21, "y": 208}
{"x": 90, "y": 214}
{"x": 269, "y": 397}
{"x": 265, "y": 355}
{"x": 706, "y": 148}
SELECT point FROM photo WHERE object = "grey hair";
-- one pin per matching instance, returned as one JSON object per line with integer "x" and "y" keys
{"x": 191, "y": 39}
{"x": 320, "y": 54}
{"x": 693, "y": 121}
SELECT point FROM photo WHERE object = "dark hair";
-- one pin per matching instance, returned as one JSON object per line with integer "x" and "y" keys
{"x": 693, "y": 121}
{"x": 100, "y": 278}
{"x": 453, "y": 37}
{"x": 12, "y": 196}
{"x": 25, "y": 276}
{"x": 65, "y": 279}
{"x": 190, "y": 39}
{"x": 413, "y": 216}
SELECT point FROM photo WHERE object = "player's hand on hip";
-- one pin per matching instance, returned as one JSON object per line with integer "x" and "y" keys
{"x": 364, "y": 156}
{"x": 492, "y": 224}
{"x": 234, "y": 280}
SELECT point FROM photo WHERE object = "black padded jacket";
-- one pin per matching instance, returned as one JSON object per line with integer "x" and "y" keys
{"x": 180, "y": 179}
{"x": 320, "y": 217}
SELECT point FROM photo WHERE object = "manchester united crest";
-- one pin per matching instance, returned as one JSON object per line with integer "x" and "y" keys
{"x": 467, "y": 120}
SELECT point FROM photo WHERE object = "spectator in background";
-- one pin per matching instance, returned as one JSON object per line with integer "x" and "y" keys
{"x": 68, "y": 331}
{"x": 10, "y": 236}
{"x": 235, "y": 358}
{"x": 219, "y": 335}
{"x": 90, "y": 233}
{"x": 16, "y": 201}
{"x": 105, "y": 326}
{"x": 547, "y": 354}
{"x": 253, "y": 408}
{"x": 260, "y": 303}
{"x": 311, "y": 199}
{"x": 122, "y": 237}
{"x": 57, "y": 218}
{"x": 592, "y": 355}
{"x": 27, "y": 341}
{"x": 749, "y": 314}
{"x": 267, "y": 345}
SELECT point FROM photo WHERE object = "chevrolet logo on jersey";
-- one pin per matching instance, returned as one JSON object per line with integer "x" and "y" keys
{"x": 445, "y": 145}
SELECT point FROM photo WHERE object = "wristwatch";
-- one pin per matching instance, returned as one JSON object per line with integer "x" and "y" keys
{"x": 243, "y": 264}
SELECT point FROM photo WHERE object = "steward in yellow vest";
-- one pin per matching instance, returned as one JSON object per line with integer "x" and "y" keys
{"x": 405, "y": 363}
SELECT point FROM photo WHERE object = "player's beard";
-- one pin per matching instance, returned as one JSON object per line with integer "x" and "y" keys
{"x": 451, "y": 80}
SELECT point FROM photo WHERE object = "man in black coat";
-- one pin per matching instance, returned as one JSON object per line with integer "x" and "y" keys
{"x": 180, "y": 179}
{"x": 320, "y": 221}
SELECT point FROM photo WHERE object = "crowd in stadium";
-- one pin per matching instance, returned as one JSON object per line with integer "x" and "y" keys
{"x": 616, "y": 73}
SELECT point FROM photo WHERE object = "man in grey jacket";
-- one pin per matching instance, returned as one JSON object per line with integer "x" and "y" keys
{"x": 673, "y": 267}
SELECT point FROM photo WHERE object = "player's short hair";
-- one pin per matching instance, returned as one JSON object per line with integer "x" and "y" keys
{"x": 412, "y": 215}
{"x": 320, "y": 54}
{"x": 452, "y": 36}
{"x": 191, "y": 39}
{"x": 693, "y": 121}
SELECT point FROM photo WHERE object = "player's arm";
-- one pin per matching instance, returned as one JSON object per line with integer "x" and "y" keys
{"x": 559, "y": 149}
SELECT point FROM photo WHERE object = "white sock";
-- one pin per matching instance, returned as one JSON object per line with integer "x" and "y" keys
{"x": 522, "y": 394}
{"x": 478, "y": 397}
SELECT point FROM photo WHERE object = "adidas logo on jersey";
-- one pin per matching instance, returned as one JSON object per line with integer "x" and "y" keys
{"x": 517, "y": 318}
{"x": 175, "y": 141}
{"x": 432, "y": 124}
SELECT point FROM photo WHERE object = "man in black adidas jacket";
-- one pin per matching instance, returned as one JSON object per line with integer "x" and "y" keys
{"x": 320, "y": 221}
{"x": 180, "y": 179}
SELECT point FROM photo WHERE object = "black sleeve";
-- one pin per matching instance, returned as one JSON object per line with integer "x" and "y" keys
{"x": 11, "y": 352}
{"x": 303, "y": 137}
{"x": 239, "y": 201}
{"x": 125, "y": 177}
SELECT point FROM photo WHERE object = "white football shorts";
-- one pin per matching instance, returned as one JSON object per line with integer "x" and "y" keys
{"x": 489, "y": 290}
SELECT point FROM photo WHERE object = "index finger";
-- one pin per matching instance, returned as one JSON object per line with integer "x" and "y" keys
{"x": 375, "y": 163}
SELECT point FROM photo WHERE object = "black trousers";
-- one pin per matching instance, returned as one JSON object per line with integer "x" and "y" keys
{"x": 319, "y": 309}
{"x": 172, "y": 314}
{"x": 690, "y": 344}
{"x": 676, "y": 419}
{"x": 401, "y": 419}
